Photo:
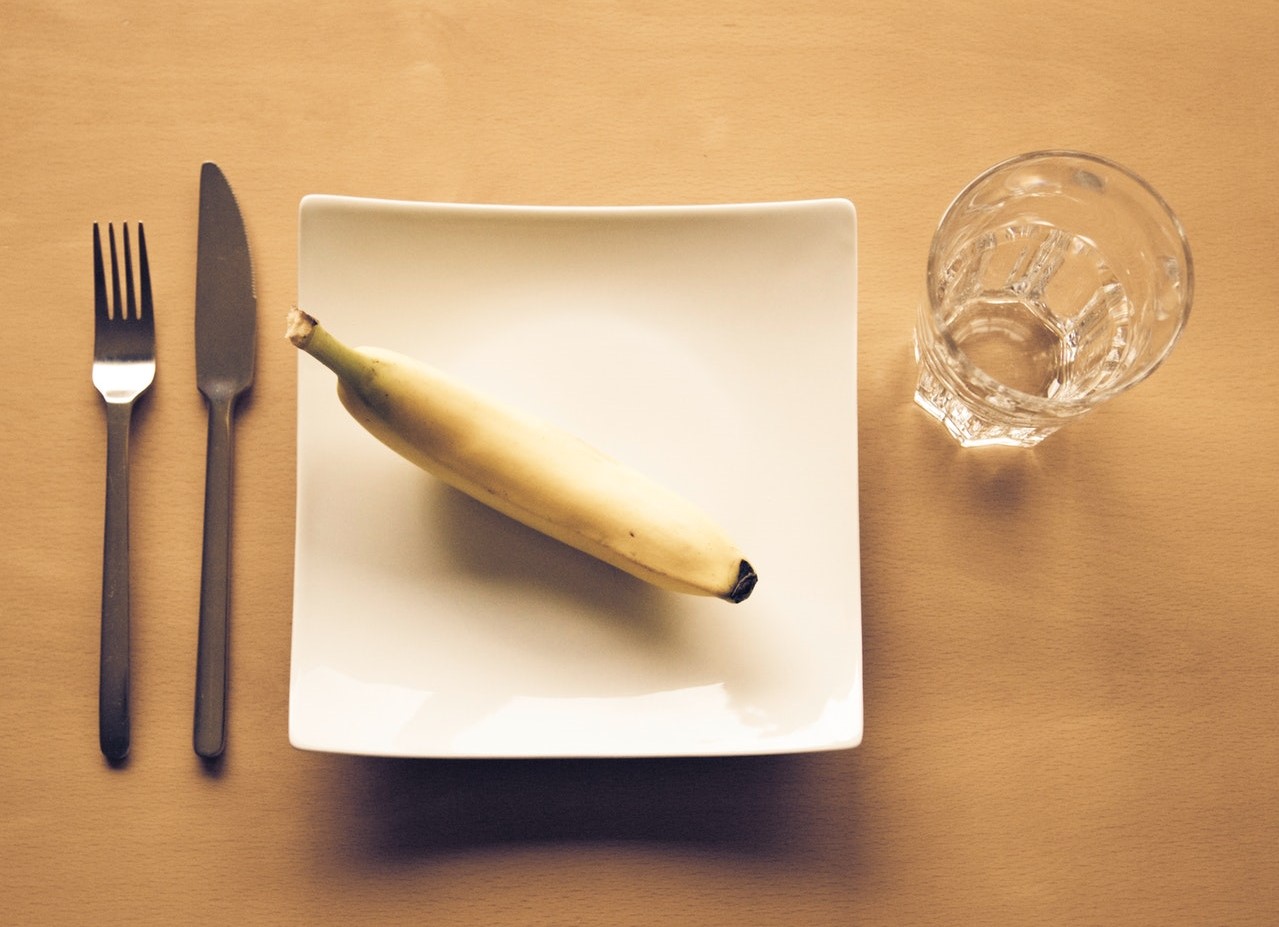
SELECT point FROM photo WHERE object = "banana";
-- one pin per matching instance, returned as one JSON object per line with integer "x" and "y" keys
{"x": 539, "y": 475}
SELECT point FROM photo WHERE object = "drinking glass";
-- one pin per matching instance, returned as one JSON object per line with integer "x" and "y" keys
{"x": 1056, "y": 280}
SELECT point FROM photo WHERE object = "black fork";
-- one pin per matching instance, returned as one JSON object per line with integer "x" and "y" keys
{"x": 123, "y": 369}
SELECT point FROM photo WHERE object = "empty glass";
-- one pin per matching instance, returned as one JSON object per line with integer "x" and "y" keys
{"x": 1056, "y": 280}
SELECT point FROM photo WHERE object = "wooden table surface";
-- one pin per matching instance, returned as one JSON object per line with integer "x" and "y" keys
{"x": 1071, "y": 654}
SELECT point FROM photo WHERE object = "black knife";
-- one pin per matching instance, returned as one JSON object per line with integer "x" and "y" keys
{"x": 225, "y": 338}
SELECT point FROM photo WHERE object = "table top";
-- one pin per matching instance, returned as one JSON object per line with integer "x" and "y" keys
{"x": 1071, "y": 654}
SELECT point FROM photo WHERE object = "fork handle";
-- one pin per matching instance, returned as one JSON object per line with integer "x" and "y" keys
{"x": 215, "y": 585}
{"x": 113, "y": 674}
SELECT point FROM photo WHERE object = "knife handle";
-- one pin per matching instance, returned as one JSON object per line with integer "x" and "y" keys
{"x": 215, "y": 585}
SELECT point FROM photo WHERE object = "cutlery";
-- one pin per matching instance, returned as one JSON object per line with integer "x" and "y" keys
{"x": 123, "y": 369}
{"x": 225, "y": 335}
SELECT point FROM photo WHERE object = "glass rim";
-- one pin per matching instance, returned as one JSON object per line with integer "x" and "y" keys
{"x": 976, "y": 374}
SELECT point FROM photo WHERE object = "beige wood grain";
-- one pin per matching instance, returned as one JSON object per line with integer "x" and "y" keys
{"x": 1072, "y": 655}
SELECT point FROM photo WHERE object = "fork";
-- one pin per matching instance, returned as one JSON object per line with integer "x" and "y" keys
{"x": 123, "y": 369}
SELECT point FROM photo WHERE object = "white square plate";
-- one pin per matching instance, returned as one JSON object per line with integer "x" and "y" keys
{"x": 713, "y": 347}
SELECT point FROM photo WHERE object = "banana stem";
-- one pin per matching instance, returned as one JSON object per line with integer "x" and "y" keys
{"x": 307, "y": 333}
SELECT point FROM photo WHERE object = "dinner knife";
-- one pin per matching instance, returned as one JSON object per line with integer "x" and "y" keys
{"x": 225, "y": 338}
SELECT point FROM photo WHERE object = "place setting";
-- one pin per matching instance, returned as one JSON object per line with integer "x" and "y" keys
{"x": 549, "y": 501}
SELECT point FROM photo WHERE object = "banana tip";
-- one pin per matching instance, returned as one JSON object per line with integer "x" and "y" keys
{"x": 745, "y": 585}
{"x": 300, "y": 327}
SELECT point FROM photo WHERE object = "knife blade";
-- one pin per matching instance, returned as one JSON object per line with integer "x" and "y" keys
{"x": 225, "y": 342}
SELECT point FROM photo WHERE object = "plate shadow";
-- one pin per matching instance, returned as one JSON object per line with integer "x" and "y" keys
{"x": 397, "y": 811}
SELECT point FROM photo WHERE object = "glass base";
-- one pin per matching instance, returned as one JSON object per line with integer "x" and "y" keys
{"x": 972, "y": 428}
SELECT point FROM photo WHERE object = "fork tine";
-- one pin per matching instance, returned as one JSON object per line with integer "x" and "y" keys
{"x": 131, "y": 303}
{"x": 116, "y": 311}
{"x": 100, "y": 309}
{"x": 145, "y": 271}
